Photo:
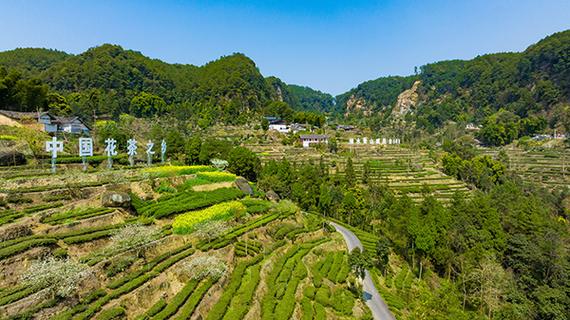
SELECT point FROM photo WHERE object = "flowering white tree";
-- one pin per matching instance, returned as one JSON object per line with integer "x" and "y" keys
{"x": 132, "y": 236}
{"x": 210, "y": 230}
{"x": 61, "y": 276}
{"x": 205, "y": 266}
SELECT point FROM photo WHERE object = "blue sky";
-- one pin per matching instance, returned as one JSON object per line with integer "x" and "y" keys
{"x": 328, "y": 45}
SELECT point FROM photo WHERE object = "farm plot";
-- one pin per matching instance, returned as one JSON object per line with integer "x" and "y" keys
{"x": 547, "y": 168}
{"x": 404, "y": 171}
{"x": 132, "y": 253}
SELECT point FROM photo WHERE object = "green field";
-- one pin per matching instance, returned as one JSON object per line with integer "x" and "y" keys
{"x": 271, "y": 255}
{"x": 403, "y": 170}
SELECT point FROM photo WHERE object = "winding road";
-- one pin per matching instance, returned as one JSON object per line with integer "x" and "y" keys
{"x": 378, "y": 307}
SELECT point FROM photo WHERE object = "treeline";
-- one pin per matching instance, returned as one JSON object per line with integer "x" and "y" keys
{"x": 531, "y": 84}
{"x": 284, "y": 111}
{"x": 108, "y": 80}
{"x": 504, "y": 249}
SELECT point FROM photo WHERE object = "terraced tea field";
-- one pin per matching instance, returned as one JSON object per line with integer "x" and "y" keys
{"x": 189, "y": 246}
{"x": 404, "y": 171}
{"x": 549, "y": 168}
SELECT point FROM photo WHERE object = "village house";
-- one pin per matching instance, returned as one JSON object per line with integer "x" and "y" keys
{"x": 344, "y": 127}
{"x": 308, "y": 139}
{"x": 47, "y": 122}
{"x": 280, "y": 126}
{"x": 277, "y": 124}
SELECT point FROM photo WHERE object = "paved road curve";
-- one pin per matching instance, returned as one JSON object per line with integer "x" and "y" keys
{"x": 378, "y": 307}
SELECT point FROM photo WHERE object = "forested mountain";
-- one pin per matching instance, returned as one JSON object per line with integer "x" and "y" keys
{"x": 307, "y": 99}
{"x": 108, "y": 80}
{"x": 31, "y": 60}
{"x": 533, "y": 85}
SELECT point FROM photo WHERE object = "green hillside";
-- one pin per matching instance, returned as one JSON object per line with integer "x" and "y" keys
{"x": 109, "y": 80}
{"x": 532, "y": 85}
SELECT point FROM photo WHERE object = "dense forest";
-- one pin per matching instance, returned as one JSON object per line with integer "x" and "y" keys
{"x": 108, "y": 80}
{"x": 501, "y": 254}
{"x": 510, "y": 94}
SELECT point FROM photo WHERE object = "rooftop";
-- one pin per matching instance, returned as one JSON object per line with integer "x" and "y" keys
{"x": 314, "y": 136}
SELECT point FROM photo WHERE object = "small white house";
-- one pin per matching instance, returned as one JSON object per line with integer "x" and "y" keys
{"x": 308, "y": 139}
{"x": 279, "y": 127}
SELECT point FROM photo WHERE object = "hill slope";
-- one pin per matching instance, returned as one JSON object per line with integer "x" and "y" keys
{"x": 535, "y": 82}
{"x": 106, "y": 79}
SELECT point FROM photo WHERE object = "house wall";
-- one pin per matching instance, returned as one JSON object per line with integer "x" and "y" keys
{"x": 307, "y": 142}
{"x": 51, "y": 128}
{"x": 45, "y": 119}
{"x": 279, "y": 127}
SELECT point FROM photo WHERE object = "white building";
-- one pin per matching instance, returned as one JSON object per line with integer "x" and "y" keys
{"x": 280, "y": 127}
{"x": 308, "y": 139}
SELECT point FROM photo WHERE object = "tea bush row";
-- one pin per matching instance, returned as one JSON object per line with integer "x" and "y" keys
{"x": 154, "y": 309}
{"x": 247, "y": 248}
{"x": 238, "y": 231}
{"x": 176, "y": 302}
{"x": 193, "y": 301}
{"x": 187, "y": 201}
{"x": 133, "y": 284}
{"x": 113, "y": 313}
{"x": 76, "y": 214}
{"x": 287, "y": 272}
{"x": 235, "y": 279}
{"x": 8, "y": 216}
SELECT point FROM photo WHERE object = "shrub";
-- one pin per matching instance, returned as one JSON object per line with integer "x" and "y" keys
{"x": 60, "y": 253}
{"x": 285, "y": 207}
{"x": 255, "y": 206}
{"x": 307, "y": 308}
{"x": 57, "y": 197}
{"x": 219, "y": 309}
{"x": 205, "y": 266}
{"x": 119, "y": 265}
{"x": 62, "y": 277}
{"x": 320, "y": 312}
{"x": 322, "y": 295}
{"x": 19, "y": 293}
{"x": 187, "y": 222}
{"x": 248, "y": 248}
{"x": 156, "y": 308}
{"x": 23, "y": 246}
{"x": 17, "y": 199}
{"x": 238, "y": 231}
{"x": 149, "y": 266}
{"x": 177, "y": 301}
{"x": 243, "y": 297}
{"x": 82, "y": 213}
{"x": 88, "y": 237}
{"x": 211, "y": 229}
{"x": 133, "y": 235}
{"x": 112, "y": 313}
{"x": 191, "y": 303}
{"x": 284, "y": 229}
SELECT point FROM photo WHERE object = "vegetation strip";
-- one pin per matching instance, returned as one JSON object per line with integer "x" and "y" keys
{"x": 176, "y": 302}
{"x": 287, "y": 272}
{"x": 131, "y": 284}
{"x": 192, "y": 302}
{"x": 77, "y": 214}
